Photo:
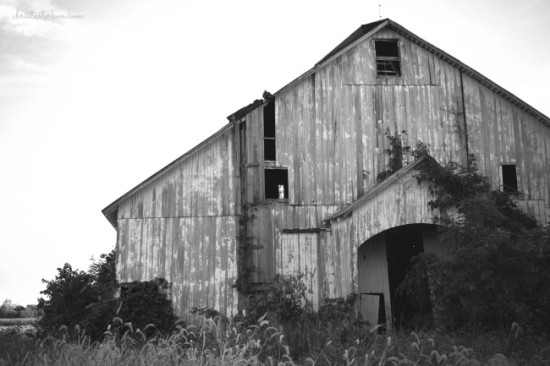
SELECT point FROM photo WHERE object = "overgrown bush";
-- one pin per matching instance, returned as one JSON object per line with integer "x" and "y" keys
{"x": 499, "y": 269}
{"x": 70, "y": 295}
{"x": 283, "y": 302}
{"x": 90, "y": 300}
{"x": 145, "y": 304}
{"x": 283, "y": 299}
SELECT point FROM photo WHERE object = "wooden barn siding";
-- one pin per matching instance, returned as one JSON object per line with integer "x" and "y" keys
{"x": 298, "y": 254}
{"x": 182, "y": 226}
{"x": 266, "y": 226}
{"x": 402, "y": 203}
{"x": 331, "y": 126}
{"x": 339, "y": 261}
{"x": 501, "y": 133}
{"x": 204, "y": 184}
{"x": 197, "y": 255}
{"x": 254, "y": 163}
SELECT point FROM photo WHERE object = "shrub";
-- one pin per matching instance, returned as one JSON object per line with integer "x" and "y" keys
{"x": 500, "y": 264}
{"x": 145, "y": 303}
{"x": 89, "y": 299}
{"x": 69, "y": 296}
{"x": 8, "y": 310}
{"x": 283, "y": 299}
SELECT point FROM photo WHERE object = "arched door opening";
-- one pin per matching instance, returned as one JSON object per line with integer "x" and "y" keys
{"x": 383, "y": 262}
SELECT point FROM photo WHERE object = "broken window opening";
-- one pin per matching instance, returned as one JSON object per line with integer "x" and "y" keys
{"x": 509, "y": 179}
{"x": 388, "y": 62}
{"x": 269, "y": 149}
{"x": 269, "y": 132}
{"x": 276, "y": 183}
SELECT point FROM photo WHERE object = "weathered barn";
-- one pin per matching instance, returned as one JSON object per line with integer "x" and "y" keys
{"x": 293, "y": 177}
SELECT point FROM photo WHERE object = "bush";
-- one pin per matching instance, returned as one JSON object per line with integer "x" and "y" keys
{"x": 283, "y": 299}
{"x": 500, "y": 264}
{"x": 8, "y": 310}
{"x": 145, "y": 303}
{"x": 284, "y": 304}
{"x": 70, "y": 295}
{"x": 90, "y": 300}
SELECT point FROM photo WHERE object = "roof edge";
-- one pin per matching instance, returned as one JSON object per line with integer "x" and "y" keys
{"x": 111, "y": 210}
{"x": 348, "y": 210}
{"x": 462, "y": 67}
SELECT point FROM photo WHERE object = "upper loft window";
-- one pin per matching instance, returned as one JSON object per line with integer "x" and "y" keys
{"x": 388, "y": 62}
{"x": 509, "y": 178}
{"x": 276, "y": 184}
{"x": 269, "y": 132}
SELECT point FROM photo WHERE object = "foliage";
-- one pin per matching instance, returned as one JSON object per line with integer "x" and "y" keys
{"x": 398, "y": 152}
{"x": 7, "y": 310}
{"x": 500, "y": 258}
{"x": 69, "y": 296}
{"x": 496, "y": 275}
{"x": 264, "y": 344}
{"x": 245, "y": 263}
{"x": 145, "y": 303}
{"x": 90, "y": 300}
{"x": 284, "y": 299}
{"x": 414, "y": 292}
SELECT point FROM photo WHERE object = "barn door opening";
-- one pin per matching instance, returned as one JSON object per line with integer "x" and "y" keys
{"x": 402, "y": 244}
{"x": 383, "y": 262}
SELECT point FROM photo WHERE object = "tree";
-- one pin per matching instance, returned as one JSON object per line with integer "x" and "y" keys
{"x": 69, "y": 296}
{"x": 7, "y": 309}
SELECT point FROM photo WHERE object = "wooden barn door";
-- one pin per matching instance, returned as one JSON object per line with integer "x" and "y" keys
{"x": 373, "y": 279}
{"x": 297, "y": 255}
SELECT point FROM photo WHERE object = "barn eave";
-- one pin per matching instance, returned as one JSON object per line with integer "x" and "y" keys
{"x": 111, "y": 211}
{"x": 377, "y": 189}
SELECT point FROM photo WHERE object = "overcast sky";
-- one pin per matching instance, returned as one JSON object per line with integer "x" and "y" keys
{"x": 97, "y": 95}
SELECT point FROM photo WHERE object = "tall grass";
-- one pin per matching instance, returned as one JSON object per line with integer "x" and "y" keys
{"x": 221, "y": 343}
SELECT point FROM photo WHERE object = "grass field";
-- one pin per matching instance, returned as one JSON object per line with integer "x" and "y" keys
{"x": 17, "y": 321}
{"x": 263, "y": 344}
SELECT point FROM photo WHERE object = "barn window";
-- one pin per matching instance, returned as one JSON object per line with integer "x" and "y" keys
{"x": 276, "y": 184}
{"x": 509, "y": 178}
{"x": 269, "y": 132}
{"x": 388, "y": 63}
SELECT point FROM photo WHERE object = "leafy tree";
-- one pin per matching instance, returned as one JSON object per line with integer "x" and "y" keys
{"x": 7, "y": 309}
{"x": 69, "y": 297}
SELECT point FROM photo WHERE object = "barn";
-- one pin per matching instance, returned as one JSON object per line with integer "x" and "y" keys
{"x": 289, "y": 183}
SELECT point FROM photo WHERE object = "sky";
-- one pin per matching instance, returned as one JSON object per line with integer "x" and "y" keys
{"x": 98, "y": 95}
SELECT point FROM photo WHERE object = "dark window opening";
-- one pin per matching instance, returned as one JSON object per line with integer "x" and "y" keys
{"x": 269, "y": 149}
{"x": 509, "y": 179}
{"x": 269, "y": 132}
{"x": 388, "y": 63}
{"x": 276, "y": 184}
{"x": 269, "y": 120}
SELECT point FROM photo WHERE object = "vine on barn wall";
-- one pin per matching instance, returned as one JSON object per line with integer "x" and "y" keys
{"x": 245, "y": 262}
{"x": 499, "y": 268}
{"x": 398, "y": 153}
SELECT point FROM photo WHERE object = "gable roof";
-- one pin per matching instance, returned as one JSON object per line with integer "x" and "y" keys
{"x": 368, "y": 30}
{"x": 348, "y": 210}
{"x": 362, "y": 33}
{"x": 110, "y": 212}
